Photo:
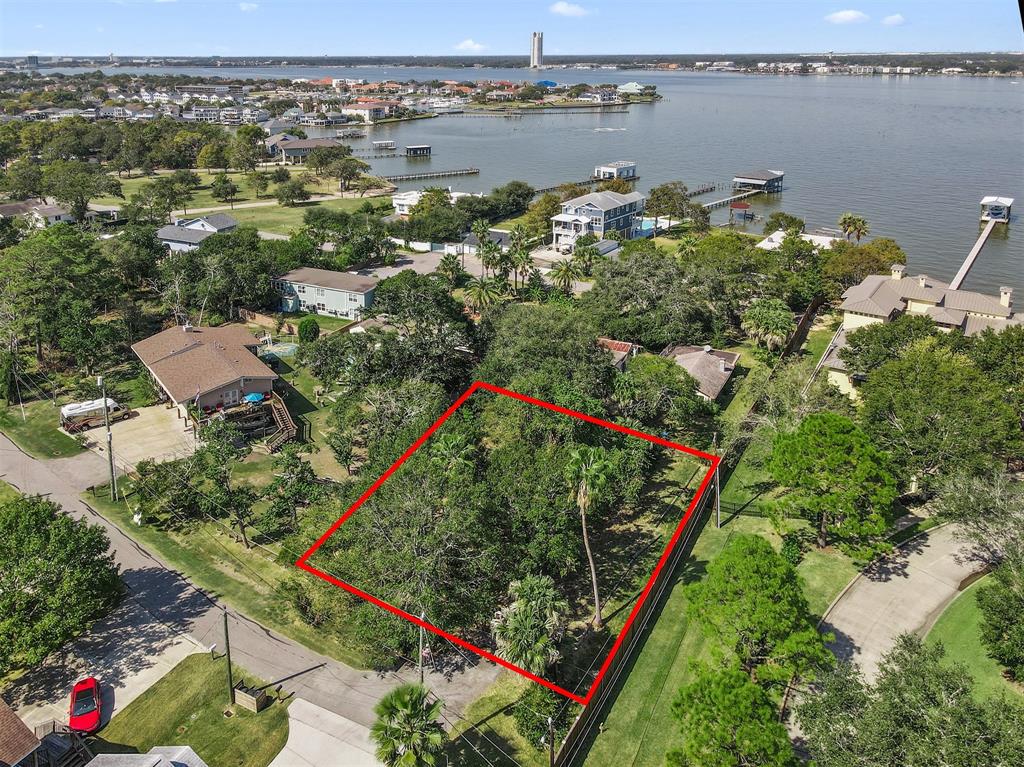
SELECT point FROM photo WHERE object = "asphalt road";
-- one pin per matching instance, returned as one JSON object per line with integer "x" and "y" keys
{"x": 181, "y": 608}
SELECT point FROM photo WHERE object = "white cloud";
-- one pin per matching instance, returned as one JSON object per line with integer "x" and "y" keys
{"x": 471, "y": 45}
{"x": 246, "y": 7}
{"x": 562, "y": 8}
{"x": 39, "y": 26}
{"x": 846, "y": 17}
{"x": 159, "y": 1}
{"x": 893, "y": 21}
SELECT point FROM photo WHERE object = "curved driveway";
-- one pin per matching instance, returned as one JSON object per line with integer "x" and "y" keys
{"x": 905, "y": 593}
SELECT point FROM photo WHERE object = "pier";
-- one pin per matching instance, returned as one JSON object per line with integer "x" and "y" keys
{"x": 994, "y": 210}
{"x": 729, "y": 200}
{"x": 431, "y": 174}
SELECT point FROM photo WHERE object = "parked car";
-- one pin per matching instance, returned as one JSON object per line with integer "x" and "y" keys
{"x": 84, "y": 714}
{"x": 79, "y": 416}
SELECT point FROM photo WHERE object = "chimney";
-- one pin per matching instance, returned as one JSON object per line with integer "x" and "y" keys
{"x": 922, "y": 280}
{"x": 898, "y": 270}
{"x": 187, "y": 327}
{"x": 1005, "y": 294}
{"x": 721, "y": 365}
{"x": 707, "y": 349}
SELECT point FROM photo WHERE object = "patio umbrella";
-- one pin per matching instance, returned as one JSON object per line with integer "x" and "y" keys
{"x": 253, "y": 398}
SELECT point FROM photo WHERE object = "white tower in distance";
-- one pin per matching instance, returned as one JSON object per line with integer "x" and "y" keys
{"x": 537, "y": 51}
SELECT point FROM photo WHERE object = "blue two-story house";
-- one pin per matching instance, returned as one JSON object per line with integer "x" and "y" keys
{"x": 599, "y": 214}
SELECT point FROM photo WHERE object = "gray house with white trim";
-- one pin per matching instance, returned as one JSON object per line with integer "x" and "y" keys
{"x": 321, "y": 291}
{"x": 599, "y": 214}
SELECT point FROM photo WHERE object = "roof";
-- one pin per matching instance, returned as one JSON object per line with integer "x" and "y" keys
{"x": 761, "y": 175}
{"x": 309, "y": 143}
{"x": 499, "y": 236}
{"x": 604, "y": 200}
{"x": 158, "y": 756}
{"x": 16, "y": 740}
{"x": 181, "y": 234}
{"x": 220, "y": 221}
{"x": 775, "y": 239}
{"x": 194, "y": 361}
{"x": 325, "y": 278}
{"x": 710, "y": 367}
{"x": 19, "y": 208}
{"x": 1006, "y": 202}
{"x": 621, "y": 350}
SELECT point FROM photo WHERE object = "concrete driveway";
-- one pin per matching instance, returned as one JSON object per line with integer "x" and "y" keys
{"x": 152, "y": 433}
{"x": 127, "y": 652}
{"x": 318, "y": 738}
{"x": 903, "y": 593}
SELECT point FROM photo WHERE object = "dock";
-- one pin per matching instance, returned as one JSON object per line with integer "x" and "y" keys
{"x": 431, "y": 174}
{"x": 973, "y": 255}
{"x": 729, "y": 200}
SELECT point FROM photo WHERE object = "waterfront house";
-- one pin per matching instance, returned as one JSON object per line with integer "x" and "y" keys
{"x": 273, "y": 143}
{"x": 882, "y": 298}
{"x": 188, "y": 234}
{"x": 296, "y": 151}
{"x": 206, "y": 367}
{"x": 820, "y": 241}
{"x": 404, "y": 202}
{"x": 710, "y": 368}
{"x": 630, "y": 89}
{"x": 599, "y": 214}
{"x": 625, "y": 169}
{"x": 321, "y": 291}
{"x": 598, "y": 97}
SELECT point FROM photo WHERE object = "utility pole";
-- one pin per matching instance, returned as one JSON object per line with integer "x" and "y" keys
{"x": 718, "y": 489}
{"x": 551, "y": 742}
{"x": 110, "y": 438}
{"x": 227, "y": 649}
{"x": 423, "y": 617}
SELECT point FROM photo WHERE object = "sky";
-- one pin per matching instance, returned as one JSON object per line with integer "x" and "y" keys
{"x": 492, "y": 27}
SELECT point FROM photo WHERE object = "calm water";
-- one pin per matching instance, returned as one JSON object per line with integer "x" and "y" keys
{"x": 912, "y": 155}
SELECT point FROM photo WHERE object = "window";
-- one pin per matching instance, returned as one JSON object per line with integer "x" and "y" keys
{"x": 320, "y": 307}
{"x": 320, "y": 292}
{"x": 301, "y": 288}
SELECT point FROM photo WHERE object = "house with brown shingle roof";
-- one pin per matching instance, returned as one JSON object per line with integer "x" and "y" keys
{"x": 710, "y": 368}
{"x": 17, "y": 741}
{"x": 208, "y": 367}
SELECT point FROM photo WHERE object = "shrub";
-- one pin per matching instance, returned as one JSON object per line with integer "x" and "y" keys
{"x": 309, "y": 330}
{"x": 792, "y": 549}
{"x": 532, "y": 710}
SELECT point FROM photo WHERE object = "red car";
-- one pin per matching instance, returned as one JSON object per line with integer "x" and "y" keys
{"x": 84, "y": 716}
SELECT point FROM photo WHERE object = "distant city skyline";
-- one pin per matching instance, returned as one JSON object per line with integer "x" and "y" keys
{"x": 488, "y": 27}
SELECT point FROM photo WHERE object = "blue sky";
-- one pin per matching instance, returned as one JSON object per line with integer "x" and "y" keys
{"x": 432, "y": 27}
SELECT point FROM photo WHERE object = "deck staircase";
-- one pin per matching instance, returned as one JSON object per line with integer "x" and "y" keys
{"x": 286, "y": 429}
{"x": 60, "y": 746}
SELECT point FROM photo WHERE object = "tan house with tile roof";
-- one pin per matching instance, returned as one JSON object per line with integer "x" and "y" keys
{"x": 208, "y": 367}
{"x": 883, "y": 298}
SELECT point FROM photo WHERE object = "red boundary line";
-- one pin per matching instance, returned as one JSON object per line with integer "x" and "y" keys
{"x": 303, "y": 561}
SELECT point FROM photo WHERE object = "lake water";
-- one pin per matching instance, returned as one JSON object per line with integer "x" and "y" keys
{"x": 914, "y": 155}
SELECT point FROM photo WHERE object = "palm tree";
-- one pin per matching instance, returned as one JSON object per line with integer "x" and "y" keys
{"x": 519, "y": 251}
{"x": 687, "y": 246}
{"x": 527, "y": 631}
{"x": 768, "y": 321}
{"x": 564, "y": 274}
{"x": 490, "y": 256}
{"x": 859, "y": 227}
{"x": 846, "y": 222}
{"x": 449, "y": 267}
{"x": 481, "y": 292}
{"x": 407, "y": 733}
{"x": 451, "y": 453}
{"x": 587, "y": 472}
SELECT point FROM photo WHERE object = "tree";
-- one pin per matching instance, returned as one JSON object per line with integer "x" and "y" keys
{"x": 869, "y": 347}
{"x": 672, "y": 201}
{"x": 727, "y": 721}
{"x": 309, "y": 329}
{"x": 770, "y": 322}
{"x": 564, "y": 274}
{"x": 74, "y": 183}
{"x": 921, "y": 711}
{"x": 450, "y": 268}
{"x": 751, "y": 601}
{"x": 224, "y": 189}
{"x": 407, "y": 732}
{"x": 846, "y": 264}
{"x": 247, "y": 147}
{"x": 526, "y": 632}
{"x": 482, "y": 292}
{"x": 853, "y": 225}
{"x": 538, "y": 216}
{"x": 291, "y": 192}
{"x": 587, "y": 474}
{"x": 214, "y": 154}
{"x": 346, "y": 170}
{"x": 57, "y": 576}
{"x": 839, "y": 477}
{"x": 784, "y": 221}
{"x": 935, "y": 413}
{"x": 259, "y": 181}
{"x": 655, "y": 390}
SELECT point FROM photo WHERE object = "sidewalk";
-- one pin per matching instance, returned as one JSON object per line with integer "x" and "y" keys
{"x": 319, "y": 738}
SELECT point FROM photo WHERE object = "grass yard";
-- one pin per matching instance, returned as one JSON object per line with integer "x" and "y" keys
{"x": 202, "y": 196}
{"x": 638, "y": 727}
{"x": 215, "y": 561}
{"x": 281, "y": 219}
{"x": 959, "y": 630}
{"x": 7, "y": 493}
{"x": 187, "y": 706}
{"x": 38, "y": 433}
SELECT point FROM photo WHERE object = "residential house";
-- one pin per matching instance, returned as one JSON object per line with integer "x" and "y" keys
{"x": 187, "y": 234}
{"x": 404, "y": 202}
{"x": 630, "y": 89}
{"x": 296, "y": 151}
{"x": 207, "y": 367}
{"x": 711, "y": 368}
{"x": 882, "y": 298}
{"x": 370, "y": 111}
{"x": 598, "y": 97}
{"x": 17, "y": 741}
{"x": 621, "y": 351}
{"x": 820, "y": 241}
{"x": 599, "y": 214}
{"x": 470, "y": 244}
{"x": 273, "y": 143}
{"x": 321, "y": 291}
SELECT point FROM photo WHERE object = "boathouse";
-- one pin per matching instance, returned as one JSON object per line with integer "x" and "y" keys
{"x": 996, "y": 209}
{"x": 768, "y": 181}
{"x": 625, "y": 169}
{"x": 418, "y": 150}
{"x": 382, "y": 145}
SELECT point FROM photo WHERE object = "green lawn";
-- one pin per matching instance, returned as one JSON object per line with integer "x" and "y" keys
{"x": 188, "y": 706}
{"x": 638, "y": 727}
{"x": 202, "y": 197}
{"x": 38, "y": 433}
{"x": 7, "y": 493}
{"x": 282, "y": 219}
{"x": 959, "y": 630}
{"x": 487, "y": 734}
{"x": 216, "y": 562}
